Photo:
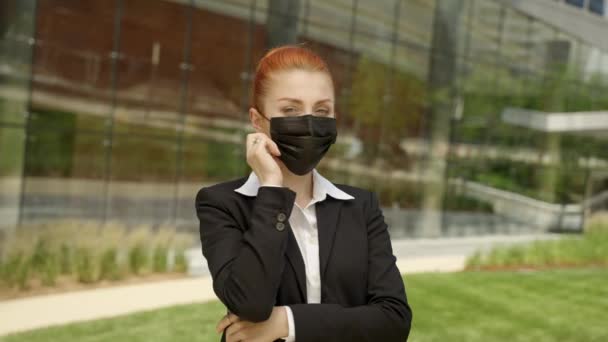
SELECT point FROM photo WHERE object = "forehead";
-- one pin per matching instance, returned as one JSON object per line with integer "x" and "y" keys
{"x": 301, "y": 84}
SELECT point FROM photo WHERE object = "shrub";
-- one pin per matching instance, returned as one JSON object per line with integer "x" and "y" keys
{"x": 474, "y": 261}
{"x": 137, "y": 258}
{"x": 65, "y": 260}
{"x": 84, "y": 265}
{"x": 109, "y": 268}
{"x": 598, "y": 223}
{"x": 180, "y": 265}
{"x": 41, "y": 254}
{"x": 23, "y": 273}
{"x": 160, "y": 259}
{"x": 87, "y": 251}
{"x": 589, "y": 249}
{"x": 50, "y": 270}
{"x": 10, "y": 269}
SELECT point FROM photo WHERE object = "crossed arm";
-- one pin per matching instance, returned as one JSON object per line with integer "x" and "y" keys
{"x": 246, "y": 267}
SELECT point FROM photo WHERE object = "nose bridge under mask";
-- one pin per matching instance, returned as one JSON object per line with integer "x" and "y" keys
{"x": 303, "y": 125}
{"x": 309, "y": 121}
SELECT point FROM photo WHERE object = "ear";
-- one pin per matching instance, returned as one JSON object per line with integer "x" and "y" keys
{"x": 257, "y": 121}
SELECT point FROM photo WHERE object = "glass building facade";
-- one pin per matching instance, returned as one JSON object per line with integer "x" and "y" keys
{"x": 593, "y": 6}
{"x": 465, "y": 116}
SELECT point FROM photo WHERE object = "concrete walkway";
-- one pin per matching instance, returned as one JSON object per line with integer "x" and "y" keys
{"x": 40, "y": 311}
{"x": 419, "y": 255}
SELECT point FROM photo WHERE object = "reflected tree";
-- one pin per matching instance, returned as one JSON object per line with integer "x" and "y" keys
{"x": 402, "y": 111}
{"x": 447, "y": 24}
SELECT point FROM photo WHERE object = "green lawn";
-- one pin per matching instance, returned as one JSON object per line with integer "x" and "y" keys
{"x": 554, "y": 305}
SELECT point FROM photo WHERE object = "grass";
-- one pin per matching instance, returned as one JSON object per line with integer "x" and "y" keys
{"x": 548, "y": 305}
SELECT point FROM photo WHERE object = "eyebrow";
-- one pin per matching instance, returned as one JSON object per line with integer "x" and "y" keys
{"x": 299, "y": 101}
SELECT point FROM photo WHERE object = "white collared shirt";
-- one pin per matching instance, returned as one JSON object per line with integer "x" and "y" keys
{"x": 303, "y": 222}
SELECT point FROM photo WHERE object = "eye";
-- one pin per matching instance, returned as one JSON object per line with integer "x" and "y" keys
{"x": 292, "y": 110}
{"x": 323, "y": 111}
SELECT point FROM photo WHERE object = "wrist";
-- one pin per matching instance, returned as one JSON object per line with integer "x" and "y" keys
{"x": 282, "y": 323}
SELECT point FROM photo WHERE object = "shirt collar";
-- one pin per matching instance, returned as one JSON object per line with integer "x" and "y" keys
{"x": 321, "y": 188}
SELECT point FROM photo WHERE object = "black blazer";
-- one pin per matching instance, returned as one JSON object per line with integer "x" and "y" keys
{"x": 255, "y": 263}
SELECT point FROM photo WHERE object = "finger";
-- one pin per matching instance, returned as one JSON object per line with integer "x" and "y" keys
{"x": 222, "y": 324}
{"x": 239, "y": 335}
{"x": 228, "y": 337}
{"x": 234, "y": 338}
{"x": 248, "y": 144}
{"x": 253, "y": 145}
{"x": 232, "y": 330}
{"x": 273, "y": 148}
{"x": 268, "y": 144}
{"x": 253, "y": 136}
{"x": 237, "y": 331}
{"x": 250, "y": 147}
{"x": 250, "y": 138}
{"x": 263, "y": 146}
{"x": 226, "y": 321}
{"x": 219, "y": 324}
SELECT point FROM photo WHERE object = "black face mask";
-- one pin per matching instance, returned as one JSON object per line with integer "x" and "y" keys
{"x": 303, "y": 140}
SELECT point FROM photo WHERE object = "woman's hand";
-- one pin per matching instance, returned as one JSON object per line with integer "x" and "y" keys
{"x": 261, "y": 154}
{"x": 269, "y": 330}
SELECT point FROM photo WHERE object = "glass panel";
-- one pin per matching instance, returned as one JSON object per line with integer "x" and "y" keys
{"x": 597, "y": 6}
{"x": 151, "y": 79}
{"x": 133, "y": 109}
{"x": 17, "y": 26}
{"x": 71, "y": 98}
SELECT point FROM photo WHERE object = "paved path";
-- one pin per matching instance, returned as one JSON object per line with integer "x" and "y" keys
{"x": 40, "y": 311}
{"x": 420, "y": 255}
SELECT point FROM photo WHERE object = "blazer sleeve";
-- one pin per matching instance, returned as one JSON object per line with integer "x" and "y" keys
{"x": 245, "y": 264}
{"x": 387, "y": 315}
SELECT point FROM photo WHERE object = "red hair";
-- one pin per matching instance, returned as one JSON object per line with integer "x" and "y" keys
{"x": 286, "y": 57}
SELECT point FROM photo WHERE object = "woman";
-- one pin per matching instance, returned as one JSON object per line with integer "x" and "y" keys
{"x": 292, "y": 255}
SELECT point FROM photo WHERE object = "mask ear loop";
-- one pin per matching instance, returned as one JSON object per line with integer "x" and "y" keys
{"x": 264, "y": 116}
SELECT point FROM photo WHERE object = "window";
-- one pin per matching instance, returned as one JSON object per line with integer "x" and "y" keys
{"x": 577, "y": 3}
{"x": 596, "y": 6}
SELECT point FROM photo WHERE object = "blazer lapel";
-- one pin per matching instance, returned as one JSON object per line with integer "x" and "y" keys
{"x": 327, "y": 212}
{"x": 294, "y": 256}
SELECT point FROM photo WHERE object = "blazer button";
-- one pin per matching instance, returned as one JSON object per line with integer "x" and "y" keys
{"x": 281, "y": 217}
{"x": 280, "y": 226}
